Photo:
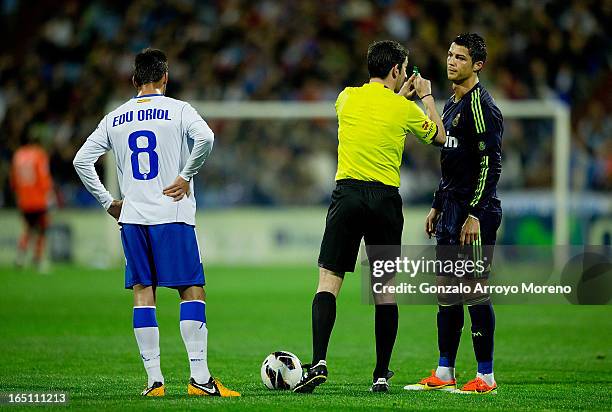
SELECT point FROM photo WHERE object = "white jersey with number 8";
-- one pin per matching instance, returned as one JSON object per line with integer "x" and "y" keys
{"x": 148, "y": 136}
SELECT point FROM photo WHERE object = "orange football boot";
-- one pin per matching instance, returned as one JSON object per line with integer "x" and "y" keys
{"x": 433, "y": 383}
{"x": 478, "y": 386}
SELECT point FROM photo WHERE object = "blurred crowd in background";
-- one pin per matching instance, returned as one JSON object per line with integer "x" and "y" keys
{"x": 62, "y": 62}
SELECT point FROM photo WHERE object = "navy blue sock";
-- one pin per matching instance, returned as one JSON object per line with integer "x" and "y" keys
{"x": 483, "y": 328}
{"x": 323, "y": 319}
{"x": 450, "y": 325}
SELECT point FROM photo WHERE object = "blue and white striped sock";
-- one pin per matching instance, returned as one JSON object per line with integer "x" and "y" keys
{"x": 195, "y": 336}
{"x": 147, "y": 337}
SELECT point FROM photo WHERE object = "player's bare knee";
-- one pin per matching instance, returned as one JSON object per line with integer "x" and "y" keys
{"x": 329, "y": 281}
{"x": 192, "y": 293}
{"x": 144, "y": 295}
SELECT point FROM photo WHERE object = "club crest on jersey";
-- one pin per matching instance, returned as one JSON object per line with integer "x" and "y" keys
{"x": 456, "y": 119}
{"x": 481, "y": 145}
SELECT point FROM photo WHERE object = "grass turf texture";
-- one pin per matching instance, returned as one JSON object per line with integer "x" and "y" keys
{"x": 71, "y": 331}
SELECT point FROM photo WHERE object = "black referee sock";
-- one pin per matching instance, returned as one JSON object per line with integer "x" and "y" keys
{"x": 323, "y": 318}
{"x": 483, "y": 328}
{"x": 385, "y": 328}
{"x": 450, "y": 325}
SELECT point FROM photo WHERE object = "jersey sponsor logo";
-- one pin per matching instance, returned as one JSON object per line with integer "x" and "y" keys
{"x": 143, "y": 100}
{"x": 425, "y": 125}
{"x": 451, "y": 142}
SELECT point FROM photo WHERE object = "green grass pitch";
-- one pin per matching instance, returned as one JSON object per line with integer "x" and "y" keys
{"x": 71, "y": 331}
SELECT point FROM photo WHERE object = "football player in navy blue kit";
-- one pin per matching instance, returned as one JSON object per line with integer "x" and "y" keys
{"x": 466, "y": 213}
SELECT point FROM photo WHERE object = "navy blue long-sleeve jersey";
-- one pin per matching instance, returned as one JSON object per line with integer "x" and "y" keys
{"x": 471, "y": 157}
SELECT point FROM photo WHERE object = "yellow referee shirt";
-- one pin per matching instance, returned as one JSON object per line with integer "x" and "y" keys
{"x": 372, "y": 126}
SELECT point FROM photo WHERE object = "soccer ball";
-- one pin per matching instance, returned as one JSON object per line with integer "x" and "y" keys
{"x": 281, "y": 370}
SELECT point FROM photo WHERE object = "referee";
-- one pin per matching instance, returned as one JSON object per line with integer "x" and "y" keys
{"x": 373, "y": 121}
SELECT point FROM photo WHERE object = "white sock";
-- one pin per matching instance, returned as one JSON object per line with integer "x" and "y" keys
{"x": 195, "y": 336}
{"x": 148, "y": 344}
{"x": 489, "y": 378}
{"x": 445, "y": 373}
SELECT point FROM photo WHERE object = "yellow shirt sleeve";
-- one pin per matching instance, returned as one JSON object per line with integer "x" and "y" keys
{"x": 341, "y": 100}
{"x": 418, "y": 123}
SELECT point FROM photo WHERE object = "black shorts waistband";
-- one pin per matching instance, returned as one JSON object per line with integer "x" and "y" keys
{"x": 364, "y": 183}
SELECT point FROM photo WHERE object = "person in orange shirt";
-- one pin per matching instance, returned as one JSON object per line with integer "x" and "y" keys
{"x": 31, "y": 181}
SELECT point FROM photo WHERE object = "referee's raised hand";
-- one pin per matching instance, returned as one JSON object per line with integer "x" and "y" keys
{"x": 422, "y": 87}
{"x": 408, "y": 90}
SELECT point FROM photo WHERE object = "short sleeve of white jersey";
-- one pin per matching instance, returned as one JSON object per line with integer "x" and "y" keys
{"x": 97, "y": 144}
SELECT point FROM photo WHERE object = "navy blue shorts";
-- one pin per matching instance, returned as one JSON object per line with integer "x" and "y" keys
{"x": 161, "y": 255}
{"x": 449, "y": 227}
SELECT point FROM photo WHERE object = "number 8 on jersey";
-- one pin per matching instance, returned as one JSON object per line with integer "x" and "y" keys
{"x": 148, "y": 149}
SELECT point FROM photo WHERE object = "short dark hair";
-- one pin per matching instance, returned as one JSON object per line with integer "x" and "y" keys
{"x": 383, "y": 55}
{"x": 475, "y": 44}
{"x": 150, "y": 65}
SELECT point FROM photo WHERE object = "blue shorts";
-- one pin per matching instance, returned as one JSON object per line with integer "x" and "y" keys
{"x": 161, "y": 255}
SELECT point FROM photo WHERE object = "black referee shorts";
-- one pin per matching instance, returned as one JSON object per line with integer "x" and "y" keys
{"x": 359, "y": 209}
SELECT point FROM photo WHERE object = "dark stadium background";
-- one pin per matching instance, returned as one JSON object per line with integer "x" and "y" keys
{"x": 62, "y": 62}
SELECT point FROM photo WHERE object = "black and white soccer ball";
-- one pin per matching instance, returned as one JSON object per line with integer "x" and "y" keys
{"x": 281, "y": 370}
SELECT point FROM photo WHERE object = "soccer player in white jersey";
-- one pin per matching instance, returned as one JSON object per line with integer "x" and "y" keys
{"x": 148, "y": 136}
